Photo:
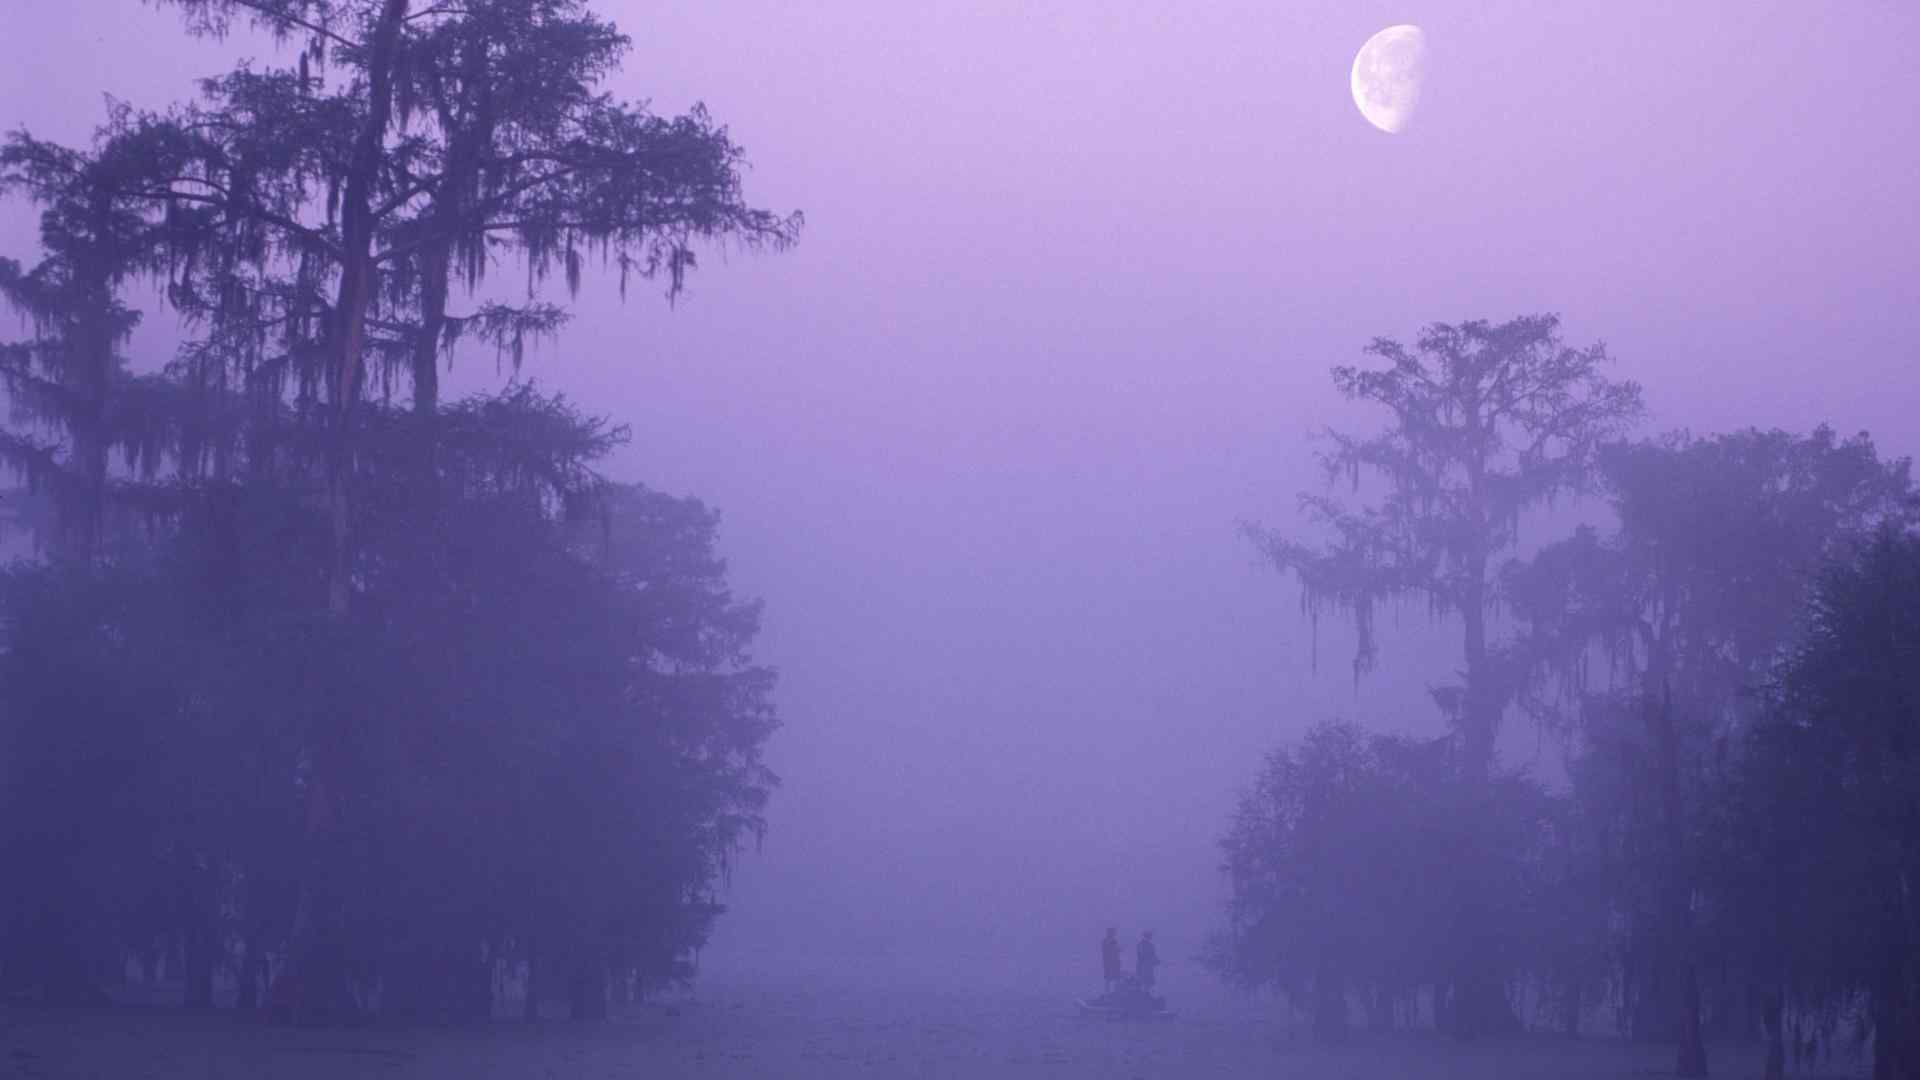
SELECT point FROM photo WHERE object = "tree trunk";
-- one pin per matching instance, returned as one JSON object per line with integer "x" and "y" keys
{"x": 469, "y": 126}
{"x": 426, "y": 371}
{"x": 434, "y": 271}
{"x": 318, "y": 985}
{"x": 1480, "y": 1006}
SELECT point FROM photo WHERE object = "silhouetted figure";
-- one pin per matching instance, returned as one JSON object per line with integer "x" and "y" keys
{"x": 1146, "y": 958}
{"x": 1110, "y": 957}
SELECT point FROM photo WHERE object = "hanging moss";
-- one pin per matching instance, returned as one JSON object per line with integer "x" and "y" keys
{"x": 1484, "y": 422}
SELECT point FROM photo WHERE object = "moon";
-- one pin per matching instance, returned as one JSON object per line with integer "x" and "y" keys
{"x": 1387, "y": 73}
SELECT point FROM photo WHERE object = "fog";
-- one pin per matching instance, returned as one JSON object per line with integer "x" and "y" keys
{"x": 1060, "y": 322}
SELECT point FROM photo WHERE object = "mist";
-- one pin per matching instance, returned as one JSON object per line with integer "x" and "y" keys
{"x": 987, "y": 439}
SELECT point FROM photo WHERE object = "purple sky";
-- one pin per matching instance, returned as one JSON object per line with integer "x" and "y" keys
{"x": 1072, "y": 278}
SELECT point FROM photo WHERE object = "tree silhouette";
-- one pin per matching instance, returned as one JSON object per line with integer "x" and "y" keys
{"x": 1692, "y": 601}
{"x": 1823, "y": 821}
{"x": 1486, "y": 422}
{"x": 69, "y": 379}
{"x": 314, "y": 226}
{"x": 304, "y": 581}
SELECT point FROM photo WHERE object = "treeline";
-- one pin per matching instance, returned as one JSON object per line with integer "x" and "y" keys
{"x": 1733, "y": 666}
{"x": 335, "y": 694}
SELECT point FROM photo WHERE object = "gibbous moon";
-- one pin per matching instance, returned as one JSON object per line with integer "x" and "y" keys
{"x": 1387, "y": 74}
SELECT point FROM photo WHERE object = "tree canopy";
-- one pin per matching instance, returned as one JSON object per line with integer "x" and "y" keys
{"x": 341, "y": 695}
{"x": 1485, "y": 421}
{"x": 1707, "y": 659}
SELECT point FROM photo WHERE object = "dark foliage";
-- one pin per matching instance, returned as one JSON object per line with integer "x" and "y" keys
{"x": 347, "y": 706}
{"x": 1345, "y": 862}
{"x": 549, "y": 738}
{"x": 1728, "y": 667}
{"x": 1821, "y": 816}
{"x": 1484, "y": 422}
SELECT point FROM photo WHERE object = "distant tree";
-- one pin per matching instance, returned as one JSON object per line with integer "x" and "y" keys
{"x": 1341, "y": 861}
{"x": 73, "y": 846}
{"x": 1487, "y": 421}
{"x": 68, "y": 382}
{"x": 74, "y": 402}
{"x": 1692, "y": 601}
{"x": 1823, "y": 810}
{"x": 1294, "y": 868}
{"x": 1570, "y": 945}
{"x": 594, "y": 674}
{"x": 313, "y": 231}
{"x": 471, "y": 131}
{"x": 312, "y": 217}
{"x": 520, "y": 147}
{"x": 555, "y": 744}
{"x": 379, "y": 657}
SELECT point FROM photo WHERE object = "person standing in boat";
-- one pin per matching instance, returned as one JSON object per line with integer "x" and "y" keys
{"x": 1110, "y": 958}
{"x": 1146, "y": 959}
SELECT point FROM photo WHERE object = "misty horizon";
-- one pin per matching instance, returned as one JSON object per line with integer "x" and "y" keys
{"x": 1060, "y": 325}
{"x": 991, "y": 428}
